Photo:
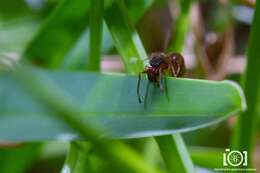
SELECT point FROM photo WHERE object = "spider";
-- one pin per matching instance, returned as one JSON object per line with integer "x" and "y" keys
{"x": 161, "y": 64}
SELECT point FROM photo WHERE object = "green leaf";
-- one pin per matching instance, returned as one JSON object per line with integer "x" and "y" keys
{"x": 190, "y": 104}
{"x": 245, "y": 132}
{"x": 58, "y": 33}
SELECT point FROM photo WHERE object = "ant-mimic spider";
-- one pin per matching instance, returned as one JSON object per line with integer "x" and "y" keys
{"x": 161, "y": 64}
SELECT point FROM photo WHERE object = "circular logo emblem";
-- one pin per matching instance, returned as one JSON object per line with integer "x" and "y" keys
{"x": 235, "y": 158}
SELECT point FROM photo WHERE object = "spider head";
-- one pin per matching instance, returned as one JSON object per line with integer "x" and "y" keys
{"x": 157, "y": 59}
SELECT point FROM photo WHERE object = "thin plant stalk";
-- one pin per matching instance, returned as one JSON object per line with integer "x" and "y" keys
{"x": 174, "y": 153}
{"x": 125, "y": 38}
{"x": 71, "y": 159}
{"x": 95, "y": 39}
{"x": 180, "y": 28}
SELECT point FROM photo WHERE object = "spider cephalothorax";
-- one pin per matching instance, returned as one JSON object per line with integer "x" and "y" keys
{"x": 162, "y": 64}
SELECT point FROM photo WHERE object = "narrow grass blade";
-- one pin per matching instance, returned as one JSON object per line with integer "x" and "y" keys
{"x": 245, "y": 131}
{"x": 95, "y": 27}
{"x": 207, "y": 157}
{"x": 54, "y": 39}
{"x": 136, "y": 9}
{"x": 71, "y": 159}
{"x": 76, "y": 159}
{"x": 83, "y": 163}
{"x": 180, "y": 28}
{"x": 175, "y": 154}
{"x": 125, "y": 37}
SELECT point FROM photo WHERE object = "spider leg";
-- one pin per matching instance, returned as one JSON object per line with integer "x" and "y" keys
{"x": 138, "y": 88}
{"x": 174, "y": 73}
{"x": 160, "y": 80}
{"x": 178, "y": 71}
{"x": 166, "y": 88}
{"x": 146, "y": 94}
